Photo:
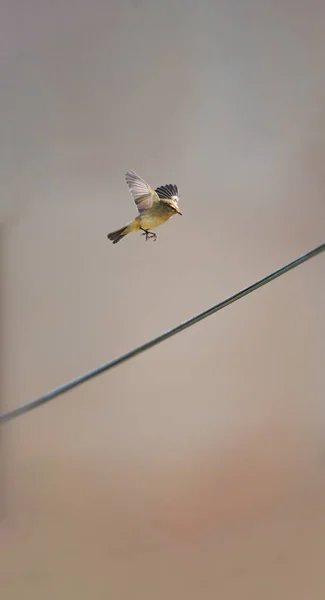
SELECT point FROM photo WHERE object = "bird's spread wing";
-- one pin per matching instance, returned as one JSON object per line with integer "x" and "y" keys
{"x": 169, "y": 191}
{"x": 144, "y": 196}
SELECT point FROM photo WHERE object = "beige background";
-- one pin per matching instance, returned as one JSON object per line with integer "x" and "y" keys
{"x": 197, "y": 469}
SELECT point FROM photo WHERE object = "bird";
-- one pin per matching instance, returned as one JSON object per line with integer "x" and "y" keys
{"x": 154, "y": 206}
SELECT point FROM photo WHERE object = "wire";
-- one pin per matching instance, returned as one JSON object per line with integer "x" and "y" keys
{"x": 73, "y": 383}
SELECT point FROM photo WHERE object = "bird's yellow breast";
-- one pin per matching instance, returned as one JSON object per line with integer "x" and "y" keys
{"x": 153, "y": 217}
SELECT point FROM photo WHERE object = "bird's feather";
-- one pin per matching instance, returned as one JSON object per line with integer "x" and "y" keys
{"x": 144, "y": 196}
{"x": 168, "y": 191}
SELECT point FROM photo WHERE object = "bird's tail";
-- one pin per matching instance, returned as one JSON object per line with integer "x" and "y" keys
{"x": 117, "y": 235}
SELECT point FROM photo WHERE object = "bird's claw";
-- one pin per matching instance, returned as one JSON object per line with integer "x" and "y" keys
{"x": 150, "y": 235}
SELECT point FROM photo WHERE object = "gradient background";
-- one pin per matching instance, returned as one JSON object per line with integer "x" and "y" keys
{"x": 197, "y": 469}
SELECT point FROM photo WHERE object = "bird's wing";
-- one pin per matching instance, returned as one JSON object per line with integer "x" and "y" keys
{"x": 168, "y": 191}
{"x": 144, "y": 196}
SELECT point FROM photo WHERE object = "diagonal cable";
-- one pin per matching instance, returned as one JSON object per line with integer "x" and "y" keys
{"x": 73, "y": 383}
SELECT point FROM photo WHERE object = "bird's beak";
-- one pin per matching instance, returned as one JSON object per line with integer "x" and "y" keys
{"x": 179, "y": 212}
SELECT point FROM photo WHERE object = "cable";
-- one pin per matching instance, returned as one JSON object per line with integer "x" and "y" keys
{"x": 73, "y": 383}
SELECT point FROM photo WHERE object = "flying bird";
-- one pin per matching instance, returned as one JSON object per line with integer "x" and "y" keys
{"x": 154, "y": 207}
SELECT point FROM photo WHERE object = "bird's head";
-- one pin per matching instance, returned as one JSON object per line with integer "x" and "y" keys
{"x": 168, "y": 194}
{"x": 174, "y": 205}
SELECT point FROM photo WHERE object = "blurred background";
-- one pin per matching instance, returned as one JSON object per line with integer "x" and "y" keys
{"x": 196, "y": 469}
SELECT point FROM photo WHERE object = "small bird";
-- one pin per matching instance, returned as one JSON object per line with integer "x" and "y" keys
{"x": 154, "y": 206}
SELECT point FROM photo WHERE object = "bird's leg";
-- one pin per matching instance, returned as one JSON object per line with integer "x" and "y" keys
{"x": 149, "y": 234}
